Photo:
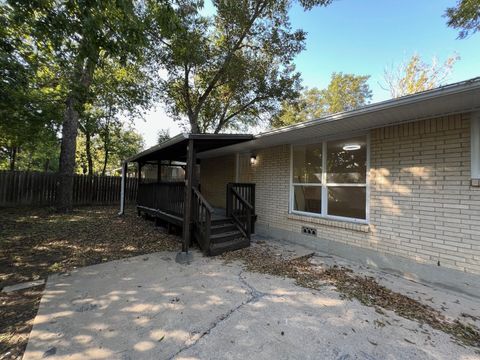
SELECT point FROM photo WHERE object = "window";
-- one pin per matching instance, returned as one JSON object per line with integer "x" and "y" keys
{"x": 307, "y": 178}
{"x": 330, "y": 179}
{"x": 475, "y": 143}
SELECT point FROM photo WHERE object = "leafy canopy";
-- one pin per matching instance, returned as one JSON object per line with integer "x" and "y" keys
{"x": 232, "y": 69}
{"x": 124, "y": 142}
{"x": 344, "y": 92}
{"x": 464, "y": 17}
{"x": 29, "y": 98}
{"x": 415, "y": 75}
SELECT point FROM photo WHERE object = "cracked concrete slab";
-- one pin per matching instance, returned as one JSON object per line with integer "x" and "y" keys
{"x": 150, "y": 307}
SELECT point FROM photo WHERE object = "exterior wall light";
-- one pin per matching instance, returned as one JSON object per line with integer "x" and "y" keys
{"x": 351, "y": 147}
{"x": 253, "y": 160}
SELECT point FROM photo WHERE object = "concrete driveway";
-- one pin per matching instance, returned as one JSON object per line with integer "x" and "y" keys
{"x": 150, "y": 307}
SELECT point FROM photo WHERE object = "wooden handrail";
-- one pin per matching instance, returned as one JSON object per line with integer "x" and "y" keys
{"x": 244, "y": 222}
{"x": 241, "y": 199}
{"x": 203, "y": 200}
{"x": 202, "y": 219}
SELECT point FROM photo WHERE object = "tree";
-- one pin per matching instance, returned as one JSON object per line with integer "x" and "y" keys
{"x": 163, "y": 135}
{"x": 345, "y": 92}
{"x": 119, "y": 93}
{"x": 79, "y": 37}
{"x": 415, "y": 75}
{"x": 29, "y": 98}
{"x": 233, "y": 69}
{"x": 106, "y": 157}
{"x": 465, "y": 17}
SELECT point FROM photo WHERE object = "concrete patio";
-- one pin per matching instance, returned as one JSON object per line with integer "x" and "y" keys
{"x": 150, "y": 307}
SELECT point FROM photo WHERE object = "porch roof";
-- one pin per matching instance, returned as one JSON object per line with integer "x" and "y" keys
{"x": 175, "y": 149}
{"x": 451, "y": 99}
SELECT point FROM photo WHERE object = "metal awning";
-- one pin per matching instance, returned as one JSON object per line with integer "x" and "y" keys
{"x": 175, "y": 149}
{"x": 447, "y": 100}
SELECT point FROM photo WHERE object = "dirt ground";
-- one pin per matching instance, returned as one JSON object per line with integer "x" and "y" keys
{"x": 35, "y": 243}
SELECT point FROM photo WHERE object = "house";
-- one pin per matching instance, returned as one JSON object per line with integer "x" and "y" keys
{"x": 394, "y": 185}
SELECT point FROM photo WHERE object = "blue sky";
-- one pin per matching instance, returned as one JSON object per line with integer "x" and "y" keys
{"x": 364, "y": 37}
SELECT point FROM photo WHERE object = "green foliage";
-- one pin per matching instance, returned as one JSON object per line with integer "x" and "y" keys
{"x": 464, "y": 17}
{"x": 29, "y": 100}
{"x": 231, "y": 70}
{"x": 124, "y": 142}
{"x": 91, "y": 55}
{"x": 163, "y": 135}
{"x": 118, "y": 93}
{"x": 344, "y": 92}
{"x": 415, "y": 75}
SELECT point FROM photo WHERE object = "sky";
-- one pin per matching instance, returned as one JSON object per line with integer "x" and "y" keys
{"x": 363, "y": 37}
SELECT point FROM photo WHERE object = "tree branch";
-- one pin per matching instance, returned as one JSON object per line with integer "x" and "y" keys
{"x": 260, "y": 7}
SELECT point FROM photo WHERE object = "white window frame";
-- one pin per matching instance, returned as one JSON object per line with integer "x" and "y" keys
{"x": 475, "y": 145}
{"x": 324, "y": 185}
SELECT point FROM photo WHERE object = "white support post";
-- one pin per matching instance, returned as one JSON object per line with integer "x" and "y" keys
{"x": 122, "y": 188}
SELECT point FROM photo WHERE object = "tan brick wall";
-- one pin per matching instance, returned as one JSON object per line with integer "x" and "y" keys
{"x": 422, "y": 206}
{"x": 214, "y": 176}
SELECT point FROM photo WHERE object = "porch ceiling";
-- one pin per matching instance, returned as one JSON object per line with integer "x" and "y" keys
{"x": 175, "y": 149}
{"x": 452, "y": 99}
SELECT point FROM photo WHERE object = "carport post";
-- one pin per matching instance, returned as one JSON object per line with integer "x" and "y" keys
{"x": 187, "y": 207}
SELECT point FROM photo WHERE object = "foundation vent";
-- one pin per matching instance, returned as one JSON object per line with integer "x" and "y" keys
{"x": 309, "y": 231}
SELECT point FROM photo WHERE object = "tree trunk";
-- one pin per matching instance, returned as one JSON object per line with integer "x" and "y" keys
{"x": 67, "y": 156}
{"x": 47, "y": 164}
{"x": 75, "y": 101}
{"x": 13, "y": 157}
{"x": 194, "y": 128}
{"x": 106, "y": 148}
{"x": 105, "y": 161}
{"x": 88, "y": 151}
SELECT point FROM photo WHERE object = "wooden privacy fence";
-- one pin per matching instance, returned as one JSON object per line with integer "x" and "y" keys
{"x": 39, "y": 189}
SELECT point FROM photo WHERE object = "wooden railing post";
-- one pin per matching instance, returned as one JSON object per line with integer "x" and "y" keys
{"x": 229, "y": 204}
{"x": 208, "y": 223}
{"x": 249, "y": 223}
{"x": 252, "y": 201}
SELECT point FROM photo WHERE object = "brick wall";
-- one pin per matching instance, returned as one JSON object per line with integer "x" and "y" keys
{"x": 214, "y": 176}
{"x": 422, "y": 206}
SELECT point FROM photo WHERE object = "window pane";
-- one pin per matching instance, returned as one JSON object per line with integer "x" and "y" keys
{"x": 307, "y": 163}
{"x": 347, "y": 201}
{"x": 308, "y": 199}
{"x": 347, "y": 161}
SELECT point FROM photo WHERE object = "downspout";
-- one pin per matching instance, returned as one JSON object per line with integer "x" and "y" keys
{"x": 122, "y": 188}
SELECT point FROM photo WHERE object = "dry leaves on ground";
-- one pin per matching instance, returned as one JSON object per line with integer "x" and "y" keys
{"x": 264, "y": 259}
{"x": 37, "y": 242}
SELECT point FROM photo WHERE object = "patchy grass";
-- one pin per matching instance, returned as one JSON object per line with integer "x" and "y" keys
{"x": 37, "y": 242}
{"x": 263, "y": 259}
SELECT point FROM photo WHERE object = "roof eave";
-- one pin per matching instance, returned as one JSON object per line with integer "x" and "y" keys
{"x": 383, "y": 105}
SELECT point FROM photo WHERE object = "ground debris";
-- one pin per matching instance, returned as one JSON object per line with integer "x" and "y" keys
{"x": 262, "y": 258}
{"x": 37, "y": 242}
